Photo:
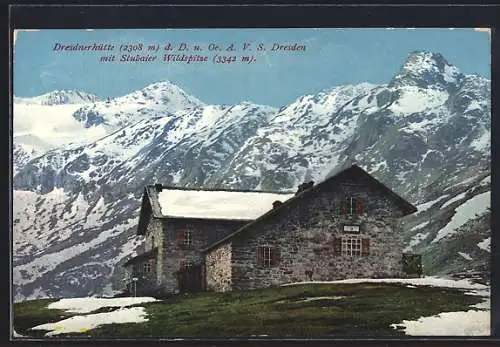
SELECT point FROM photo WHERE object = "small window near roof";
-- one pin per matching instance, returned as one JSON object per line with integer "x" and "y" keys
{"x": 185, "y": 238}
{"x": 352, "y": 206}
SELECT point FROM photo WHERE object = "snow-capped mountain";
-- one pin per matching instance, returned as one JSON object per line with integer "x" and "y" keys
{"x": 426, "y": 134}
{"x": 59, "y": 97}
{"x": 67, "y": 118}
{"x": 155, "y": 100}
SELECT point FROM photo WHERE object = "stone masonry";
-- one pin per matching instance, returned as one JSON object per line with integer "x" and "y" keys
{"x": 304, "y": 235}
{"x": 218, "y": 269}
{"x": 154, "y": 238}
{"x": 312, "y": 237}
{"x": 203, "y": 232}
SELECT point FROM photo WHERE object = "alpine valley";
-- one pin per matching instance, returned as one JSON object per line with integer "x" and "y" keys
{"x": 80, "y": 165}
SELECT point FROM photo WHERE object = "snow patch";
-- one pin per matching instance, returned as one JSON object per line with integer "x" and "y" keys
{"x": 414, "y": 100}
{"x": 485, "y": 244}
{"x": 469, "y": 323}
{"x": 482, "y": 143}
{"x": 81, "y": 324}
{"x": 16, "y": 334}
{"x": 419, "y": 226}
{"x": 315, "y": 298}
{"x": 415, "y": 240}
{"x": 465, "y": 255}
{"x": 423, "y": 281}
{"x": 456, "y": 198}
{"x": 468, "y": 210}
{"x": 450, "y": 73}
{"x": 86, "y": 305}
{"x": 425, "y": 206}
{"x": 485, "y": 181}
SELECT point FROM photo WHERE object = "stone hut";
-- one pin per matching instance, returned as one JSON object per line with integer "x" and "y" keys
{"x": 344, "y": 227}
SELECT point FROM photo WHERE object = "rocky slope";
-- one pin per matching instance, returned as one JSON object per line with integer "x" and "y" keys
{"x": 426, "y": 134}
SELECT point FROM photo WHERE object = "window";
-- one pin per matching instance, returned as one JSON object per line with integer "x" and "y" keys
{"x": 147, "y": 267}
{"x": 351, "y": 245}
{"x": 268, "y": 256}
{"x": 188, "y": 238}
{"x": 351, "y": 206}
{"x": 186, "y": 265}
{"x": 185, "y": 238}
{"x": 152, "y": 242}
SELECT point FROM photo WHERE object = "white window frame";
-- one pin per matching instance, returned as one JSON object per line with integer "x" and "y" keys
{"x": 352, "y": 245}
{"x": 351, "y": 205}
{"x": 186, "y": 265}
{"x": 188, "y": 237}
{"x": 147, "y": 267}
{"x": 267, "y": 256}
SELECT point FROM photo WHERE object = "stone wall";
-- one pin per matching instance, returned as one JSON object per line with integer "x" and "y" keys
{"x": 146, "y": 282}
{"x": 304, "y": 235}
{"x": 204, "y": 232}
{"x": 218, "y": 269}
{"x": 154, "y": 231}
{"x": 149, "y": 282}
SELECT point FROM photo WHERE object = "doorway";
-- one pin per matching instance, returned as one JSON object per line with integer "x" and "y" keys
{"x": 190, "y": 278}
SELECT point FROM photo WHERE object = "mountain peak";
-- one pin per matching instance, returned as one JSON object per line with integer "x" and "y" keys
{"x": 164, "y": 92}
{"x": 426, "y": 69}
{"x": 165, "y": 84}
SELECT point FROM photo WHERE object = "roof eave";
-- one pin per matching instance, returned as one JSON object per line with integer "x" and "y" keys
{"x": 153, "y": 201}
{"x": 141, "y": 229}
{"x": 208, "y": 218}
{"x": 146, "y": 255}
{"x": 406, "y": 205}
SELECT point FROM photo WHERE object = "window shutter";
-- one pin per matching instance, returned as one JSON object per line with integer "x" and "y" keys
{"x": 343, "y": 207}
{"x": 260, "y": 256}
{"x": 337, "y": 246}
{"x": 275, "y": 256}
{"x": 365, "y": 247}
{"x": 180, "y": 237}
{"x": 360, "y": 207}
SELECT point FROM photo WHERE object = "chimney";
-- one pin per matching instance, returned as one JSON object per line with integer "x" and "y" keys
{"x": 304, "y": 186}
{"x": 158, "y": 187}
{"x": 277, "y": 203}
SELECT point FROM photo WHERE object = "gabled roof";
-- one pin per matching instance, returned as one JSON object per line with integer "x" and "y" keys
{"x": 141, "y": 257}
{"x": 406, "y": 207}
{"x": 168, "y": 202}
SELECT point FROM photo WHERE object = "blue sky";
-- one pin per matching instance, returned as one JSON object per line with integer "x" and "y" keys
{"x": 332, "y": 57}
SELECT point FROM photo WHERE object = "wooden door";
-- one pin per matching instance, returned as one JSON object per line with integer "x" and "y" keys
{"x": 190, "y": 279}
